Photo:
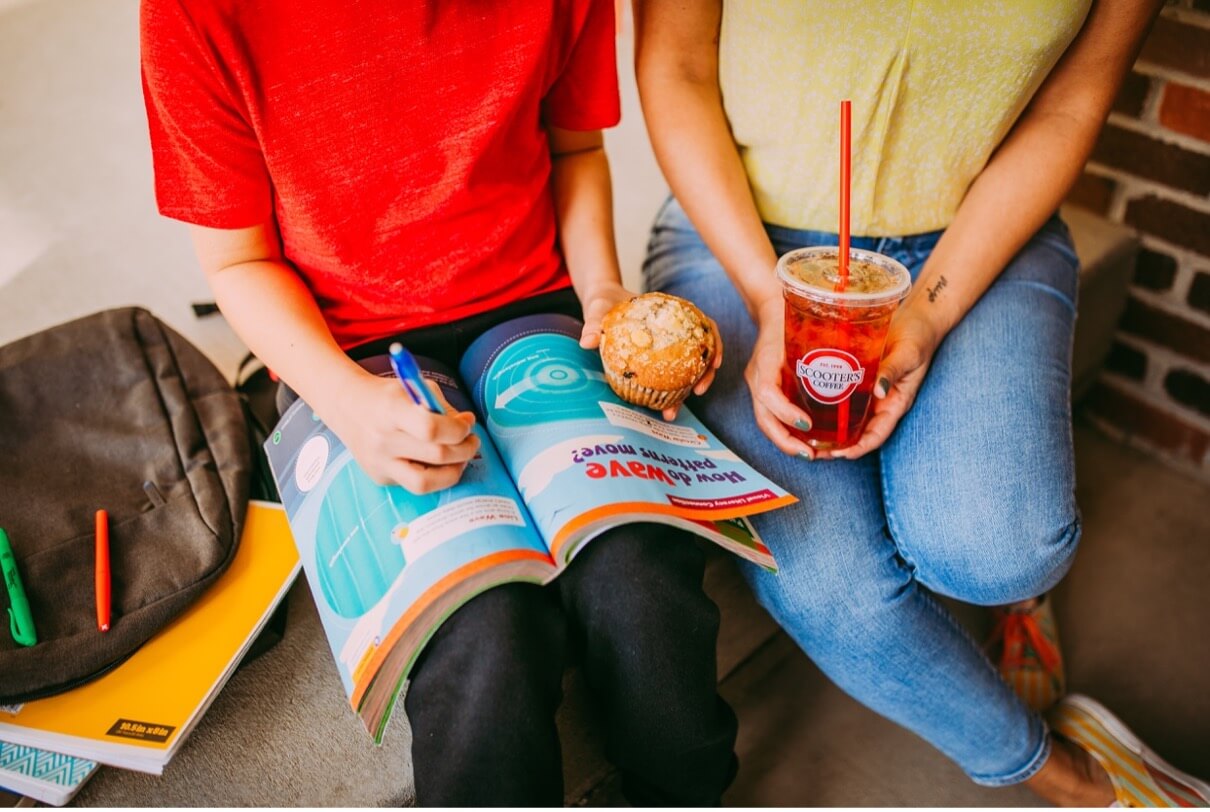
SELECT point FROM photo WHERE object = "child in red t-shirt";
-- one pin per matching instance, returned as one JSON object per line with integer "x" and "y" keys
{"x": 359, "y": 171}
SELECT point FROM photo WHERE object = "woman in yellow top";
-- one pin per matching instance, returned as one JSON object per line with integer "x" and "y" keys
{"x": 970, "y": 122}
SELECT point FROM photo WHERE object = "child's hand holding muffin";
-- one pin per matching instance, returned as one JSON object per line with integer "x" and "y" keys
{"x": 657, "y": 348}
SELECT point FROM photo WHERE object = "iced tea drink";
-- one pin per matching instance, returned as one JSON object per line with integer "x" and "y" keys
{"x": 835, "y": 334}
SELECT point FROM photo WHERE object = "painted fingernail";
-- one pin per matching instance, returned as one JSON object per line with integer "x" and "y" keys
{"x": 802, "y": 424}
{"x": 804, "y": 455}
{"x": 885, "y": 386}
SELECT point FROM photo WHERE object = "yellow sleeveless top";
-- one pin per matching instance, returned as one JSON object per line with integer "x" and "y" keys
{"x": 935, "y": 84}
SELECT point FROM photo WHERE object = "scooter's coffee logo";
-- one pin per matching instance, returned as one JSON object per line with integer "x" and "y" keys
{"x": 829, "y": 376}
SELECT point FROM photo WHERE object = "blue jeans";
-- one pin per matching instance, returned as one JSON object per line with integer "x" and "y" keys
{"x": 971, "y": 497}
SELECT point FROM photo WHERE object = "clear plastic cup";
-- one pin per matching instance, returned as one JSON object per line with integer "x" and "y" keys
{"x": 835, "y": 336}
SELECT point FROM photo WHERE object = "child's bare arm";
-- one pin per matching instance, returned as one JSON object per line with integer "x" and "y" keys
{"x": 584, "y": 212}
{"x": 583, "y": 196}
{"x": 271, "y": 309}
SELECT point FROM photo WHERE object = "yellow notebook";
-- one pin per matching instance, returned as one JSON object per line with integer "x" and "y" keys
{"x": 137, "y": 715}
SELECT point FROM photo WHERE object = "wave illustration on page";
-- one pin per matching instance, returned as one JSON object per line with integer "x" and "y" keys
{"x": 584, "y": 459}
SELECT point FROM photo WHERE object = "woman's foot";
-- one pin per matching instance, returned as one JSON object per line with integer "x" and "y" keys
{"x": 1025, "y": 646}
{"x": 1095, "y": 751}
{"x": 1071, "y": 777}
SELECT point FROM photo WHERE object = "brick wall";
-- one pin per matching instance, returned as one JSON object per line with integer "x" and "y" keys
{"x": 1151, "y": 171}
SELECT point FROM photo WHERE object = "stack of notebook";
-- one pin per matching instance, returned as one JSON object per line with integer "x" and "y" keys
{"x": 138, "y": 715}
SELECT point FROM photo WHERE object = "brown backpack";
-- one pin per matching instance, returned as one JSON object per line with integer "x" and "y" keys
{"x": 112, "y": 411}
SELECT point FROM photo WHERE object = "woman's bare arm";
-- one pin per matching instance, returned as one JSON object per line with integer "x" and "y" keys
{"x": 1021, "y": 186}
{"x": 676, "y": 62}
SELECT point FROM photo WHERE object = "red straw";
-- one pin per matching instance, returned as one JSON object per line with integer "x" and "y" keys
{"x": 846, "y": 128}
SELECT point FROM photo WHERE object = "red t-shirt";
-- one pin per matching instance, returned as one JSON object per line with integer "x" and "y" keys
{"x": 399, "y": 145}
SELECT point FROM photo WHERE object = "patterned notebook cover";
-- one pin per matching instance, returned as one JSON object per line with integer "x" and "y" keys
{"x": 52, "y": 778}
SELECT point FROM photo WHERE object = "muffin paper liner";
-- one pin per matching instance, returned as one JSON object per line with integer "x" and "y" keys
{"x": 631, "y": 392}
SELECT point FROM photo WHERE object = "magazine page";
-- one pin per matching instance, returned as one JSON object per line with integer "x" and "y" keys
{"x": 386, "y": 565}
{"x": 584, "y": 460}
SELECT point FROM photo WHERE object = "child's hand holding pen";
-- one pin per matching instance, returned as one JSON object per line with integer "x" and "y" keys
{"x": 408, "y": 373}
{"x": 396, "y": 440}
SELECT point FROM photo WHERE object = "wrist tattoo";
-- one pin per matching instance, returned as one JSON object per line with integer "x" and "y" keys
{"x": 936, "y": 289}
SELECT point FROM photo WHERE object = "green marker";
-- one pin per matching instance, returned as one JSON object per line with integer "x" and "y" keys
{"x": 21, "y": 620}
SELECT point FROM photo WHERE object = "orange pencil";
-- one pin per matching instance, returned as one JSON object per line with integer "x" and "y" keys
{"x": 102, "y": 569}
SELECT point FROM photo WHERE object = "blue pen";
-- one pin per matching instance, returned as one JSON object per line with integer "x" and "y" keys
{"x": 413, "y": 382}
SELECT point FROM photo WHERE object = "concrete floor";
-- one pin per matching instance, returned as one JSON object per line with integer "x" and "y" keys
{"x": 78, "y": 232}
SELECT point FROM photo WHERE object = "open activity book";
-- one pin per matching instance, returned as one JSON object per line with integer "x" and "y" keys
{"x": 562, "y": 460}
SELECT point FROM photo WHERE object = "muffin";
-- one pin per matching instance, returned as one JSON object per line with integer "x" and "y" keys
{"x": 655, "y": 348}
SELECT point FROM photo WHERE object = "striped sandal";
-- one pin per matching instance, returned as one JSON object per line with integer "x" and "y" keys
{"x": 1139, "y": 776}
{"x": 1025, "y": 646}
